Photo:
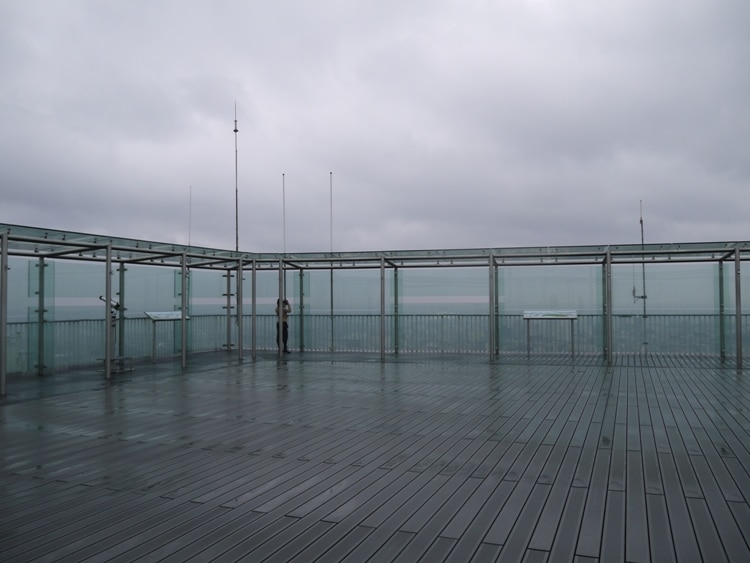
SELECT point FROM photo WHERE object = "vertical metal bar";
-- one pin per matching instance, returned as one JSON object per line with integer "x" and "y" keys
{"x": 301, "y": 310}
{"x": 3, "y": 313}
{"x": 254, "y": 308}
{"x": 497, "y": 311}
{"x": 382, "y": 307}
{"x": 722, "y": 328}
{"x": 121, "y": 317}
{"x": 280, "y": 310}
{"x": 396, "y": 322}
{"x": 528, "y": 338}
{"x": 608, "y": 306}
{"x": 492, "y": 301}
{"x": 40, "y": 320}
{"x": 229, "y": 310}
{"x": 605, "y": 345}
{"x": 330, "y": 199}
{"x": 108, "y": 332}
{"x": 572, "y": 339}
{"x": 183, "y": 308}
{"x": 240, "y": 340}
{"x": 738, "y": 304}
{"x": 332, "y": 347}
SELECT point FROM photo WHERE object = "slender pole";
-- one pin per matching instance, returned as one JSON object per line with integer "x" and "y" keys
{"x": 108, "y": 332}
{"x": 280, "y": 310}
{"x": 396, "y": 337}
{"x": 183, "y": 310}
{"x": 382, "y": 307}
{"x": 493, "y": 297}
{"x": 608, "y": 305}
{"x": 301, "y": 298}
{"x": 330, "y": 201}
{"x": 240, "y": 335}
{"x": 282, "y": 272}
{"x": 40, "y": 317}
{"x": 236, "y": 188}
{"x": 643, "y": 274}
{"x": 722, "y": 330}
{"x": 3, "y": 312}
{"x": 738, "y": 304}
{"x": 121, "y": 313}
{"x": 229, "y": 309}
{"x": 254, "y": 309}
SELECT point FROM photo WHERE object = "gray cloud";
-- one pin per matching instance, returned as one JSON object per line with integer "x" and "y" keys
{"x": 446, "y": 124}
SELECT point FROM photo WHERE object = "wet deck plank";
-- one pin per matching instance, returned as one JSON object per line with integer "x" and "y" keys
{"x": 348, "y": 458}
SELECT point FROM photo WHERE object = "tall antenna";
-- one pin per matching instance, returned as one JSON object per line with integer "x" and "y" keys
{"x": 283, "y": 213}
{"x": 190, "y": 216}
{"x": 330, "y": 199}
{"x": 236, "y": 188}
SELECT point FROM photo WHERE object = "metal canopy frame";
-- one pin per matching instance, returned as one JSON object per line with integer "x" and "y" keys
{"x": 40, "y": 243}
{"x": 34, "y": 242}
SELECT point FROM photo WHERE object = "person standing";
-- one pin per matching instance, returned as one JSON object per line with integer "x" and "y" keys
{"x": 285, "y": 311}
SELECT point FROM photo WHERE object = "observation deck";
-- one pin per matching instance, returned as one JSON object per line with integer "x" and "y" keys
{"x": 413, "y": 420}
{"x": 348, "y": 457}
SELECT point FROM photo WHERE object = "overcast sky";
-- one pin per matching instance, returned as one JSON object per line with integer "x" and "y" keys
{"x": 445, "y": 123}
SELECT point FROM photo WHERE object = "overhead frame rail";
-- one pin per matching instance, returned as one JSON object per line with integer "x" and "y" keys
{"x": 39, "y": 243}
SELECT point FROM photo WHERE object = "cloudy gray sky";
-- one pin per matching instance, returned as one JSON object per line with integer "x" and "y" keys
{"x": 446, "y": 123}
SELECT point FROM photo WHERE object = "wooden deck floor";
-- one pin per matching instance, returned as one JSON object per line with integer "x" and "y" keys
{"x": 347, "y": 458}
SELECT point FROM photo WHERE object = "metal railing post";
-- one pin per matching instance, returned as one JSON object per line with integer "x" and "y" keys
{"x": 183, "y": 308}
{"x": 240, "y": 333}
{"x": 608, "y": 306}
{"x": 108, "y": 332}
{"x": 722, "y": 328}
{"x": 382, "y": 307}
{"x": 121, "y": 312}
{"x": 738, "y": 304}
{"x": 396, "y": 322}
{"x": 280, "y": 310}
{"x": 301, "y": 310}
{"x": 493, "y": 300}
{"x": 3, "y": 313}
{"x": 253, "y": 323}
{"x": 229, "y": 309}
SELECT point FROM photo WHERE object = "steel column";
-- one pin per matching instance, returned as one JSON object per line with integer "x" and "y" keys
{"x": 722, "y": 328}
{"x": 382, "y": 307}
{"x": 301, "y": 310}
{"x": 280, "y": 310}
{"x": 184, "y": 308}
{"x": 40, "y": 319}
{"x": 253, "y": 323}
{"x": 121, "y": 313}
{"x": 492, "y": 300}
{"x": 738, "y": 304}
{"x": 608, "y": 306}
{"x": 108, "y": 332}
{"x": 229, "y": 310}
{"x": 396, "y": 332}
{"x": 331, "y": 292}
{"x": 240, "y": 341}
{"x": 3, "y": 313}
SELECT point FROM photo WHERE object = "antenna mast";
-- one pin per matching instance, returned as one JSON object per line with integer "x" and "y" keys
{"x": 236, "y": 188}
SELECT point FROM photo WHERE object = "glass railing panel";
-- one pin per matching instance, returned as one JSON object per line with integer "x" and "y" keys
{"x": 80, "y": 343}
